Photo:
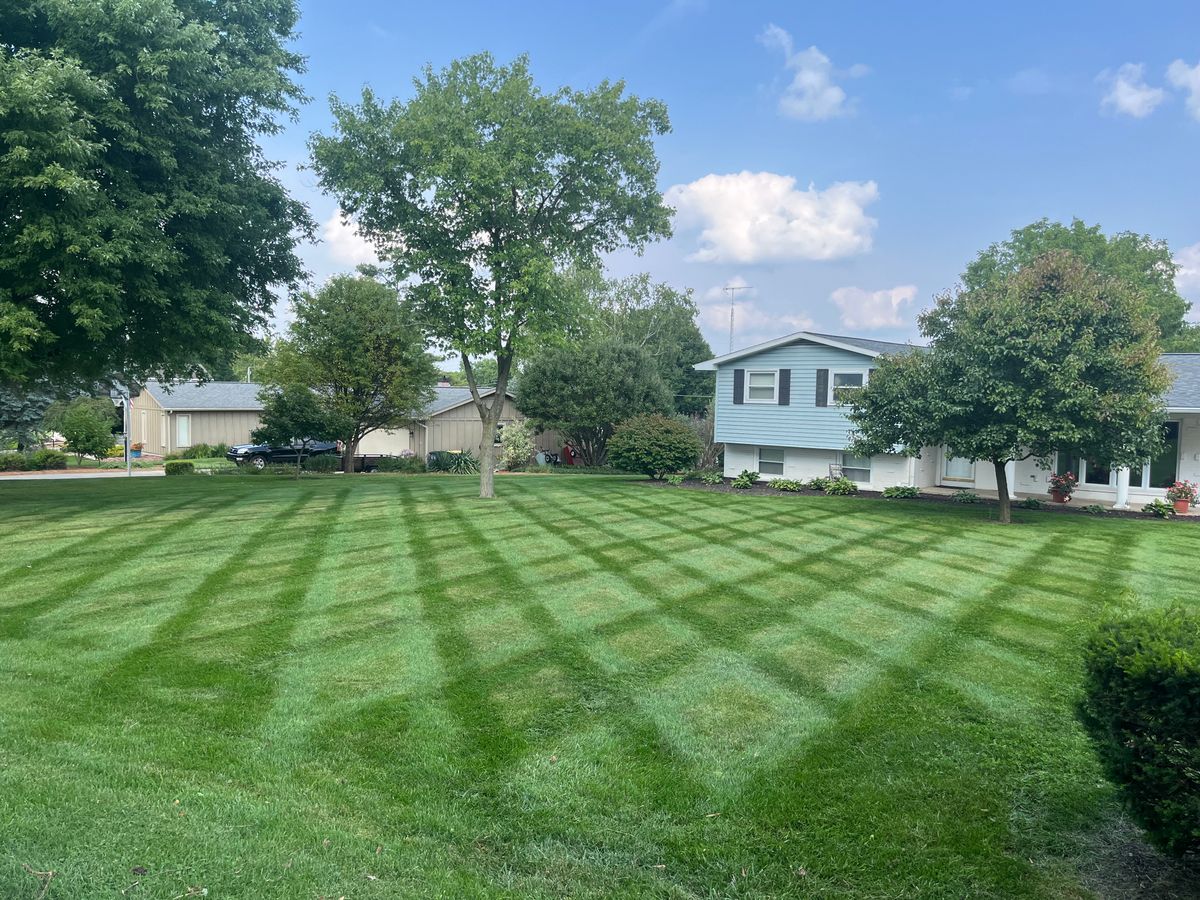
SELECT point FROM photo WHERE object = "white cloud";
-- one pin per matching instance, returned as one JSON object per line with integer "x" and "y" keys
{"x": 1187, "y": 276}
{"x": 1186, "y": 78}
{"x": 874, "y": 309}
{"x": 1128, "y": 94}
{"x": 346, "y": 245}
{"x": 752, "y": 217}
{"x": 813, "y": 95}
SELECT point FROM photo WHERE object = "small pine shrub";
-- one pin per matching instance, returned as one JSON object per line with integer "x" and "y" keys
{"x": 407, "y": 465}
{"x": 787, "y": 484}
{"x": 1160, "y": 508}
{"x": 964, "y": 497}
{"x": 47, "y": 459}
{"x": 840, "y": 487}
{"x": 179, "y": 467}
{"x": 653, "y": 445}
{"x": 712, "y": 477}
{"x": 1094, "y": 509}
{"x": 675, "y": 478}
{"x": 13, "y": 462}
{"x": 1141, "y": 707}
{"x": 323, "y": 462}
{"x": 745, "y": 480}
{"x": 819, "y": 483}
{"x": 1032, "y": 503}
{"x": 901, "y": 492}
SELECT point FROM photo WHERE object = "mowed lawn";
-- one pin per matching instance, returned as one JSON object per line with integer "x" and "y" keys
{"x": 381, "y": 686}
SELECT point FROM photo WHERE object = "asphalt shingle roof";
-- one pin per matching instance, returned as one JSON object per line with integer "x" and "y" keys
{"x": 866, "y": 343}
{"x": 1184, "y": 392}
{"x": 243, "y": 395}
{"x": 215, "y": 395}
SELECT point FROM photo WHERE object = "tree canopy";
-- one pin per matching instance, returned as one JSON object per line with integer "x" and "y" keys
{"x": 1057, "y": 357}
{"x": 143, "y": 232}
{"x": 482, "y": 189}
{"x": 1144, "y": 263}
{"x": 292, "y": 415}
{"x": 357, "y": 348}
{"x": 583, "y": 391}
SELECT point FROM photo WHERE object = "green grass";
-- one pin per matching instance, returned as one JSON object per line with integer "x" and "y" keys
{"x": 383, "y": 687}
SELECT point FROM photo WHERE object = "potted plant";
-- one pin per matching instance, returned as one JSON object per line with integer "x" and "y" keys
{"x": 1182, "y": 494}
{"x": 135, "y": 450}
{"x": 1062, "y": 486}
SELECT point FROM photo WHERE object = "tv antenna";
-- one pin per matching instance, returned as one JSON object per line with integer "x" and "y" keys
{"x": 732, "y": 291}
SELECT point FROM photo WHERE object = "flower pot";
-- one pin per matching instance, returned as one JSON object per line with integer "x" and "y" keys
{"x": 1060, "y": 496}
{"x": 136, "y": 454}
{"x": 1181, "y": 506}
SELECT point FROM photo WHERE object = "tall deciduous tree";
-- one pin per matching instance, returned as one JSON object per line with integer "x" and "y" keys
{"x": 583, "y": 391}
{"x": 662, "y": 321}
{"x": 1143, "y": 263}
{"x": 1056, "y": 357}
{"x": 358, "y": 349}
{"x": 142, "y": 230}
{"x": 483, "y": 189}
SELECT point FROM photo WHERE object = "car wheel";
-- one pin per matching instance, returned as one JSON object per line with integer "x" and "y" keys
{"x": 259, "y": 462}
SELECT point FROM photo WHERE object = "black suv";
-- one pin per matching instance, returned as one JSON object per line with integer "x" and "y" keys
{"x": 259, "y": 455}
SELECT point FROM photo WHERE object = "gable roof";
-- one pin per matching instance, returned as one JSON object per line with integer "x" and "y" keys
{"x": 865, "y": 346}
{"x": 188, "y": 396}
{"x": 1184, "y": 392}
{"x": 212, "y": 395}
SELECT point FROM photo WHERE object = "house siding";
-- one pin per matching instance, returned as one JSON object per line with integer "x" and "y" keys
{"x": 157, "y": 429}
{"x": 455, "y": 429}
{"x": 799, "y": 424}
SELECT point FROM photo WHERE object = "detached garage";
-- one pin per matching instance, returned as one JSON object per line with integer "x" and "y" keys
{"x": 169, "y": 419}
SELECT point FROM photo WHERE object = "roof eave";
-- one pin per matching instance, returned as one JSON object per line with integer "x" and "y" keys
{"x": 711, "y": 365}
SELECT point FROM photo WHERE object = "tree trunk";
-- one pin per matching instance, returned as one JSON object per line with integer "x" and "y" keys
{"x": 487, "y": 448}
{"x": 349, "y": 448}
{"x": 1002, "y": 491}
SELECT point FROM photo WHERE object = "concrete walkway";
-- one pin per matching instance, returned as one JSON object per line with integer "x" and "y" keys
{"x": 1021, "y": 495}
{"x": 87, "y": 473}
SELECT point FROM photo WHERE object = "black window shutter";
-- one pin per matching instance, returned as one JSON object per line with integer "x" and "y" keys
{"x": 785, "y": 387}
{"x": 739, "y": 385}
{"x": 822, "y": 387}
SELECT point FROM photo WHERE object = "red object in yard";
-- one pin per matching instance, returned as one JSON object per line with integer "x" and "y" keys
{"x": 1060, "y": 496}
{"x": 569, "y": 455}
{"x": 1181, "y": 506}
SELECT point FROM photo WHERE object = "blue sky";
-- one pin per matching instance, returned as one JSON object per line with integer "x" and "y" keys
{"x": 843, "y": 160}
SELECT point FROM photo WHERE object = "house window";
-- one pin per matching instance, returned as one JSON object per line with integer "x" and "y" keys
{"x": 761, "y": 387}
{"x": 183, "y": 431}
{"x": 856, "y": 468}
{"x": 770, "y": 460}
{"x": 840, "y": 383}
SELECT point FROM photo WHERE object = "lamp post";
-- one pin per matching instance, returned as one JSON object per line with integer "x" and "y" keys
{"x": 120, "y": 397}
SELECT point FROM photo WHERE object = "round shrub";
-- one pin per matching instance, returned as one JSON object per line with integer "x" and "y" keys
{"x": 1142, "y": 708}
{"x": 47, "y": 459}
{"x": 13, "y": 462}
{"x": 408, "y": 465}
{"x": 840, "y": 487}
{"x": 653, "y": 445}
{"x": 179, "y": 467}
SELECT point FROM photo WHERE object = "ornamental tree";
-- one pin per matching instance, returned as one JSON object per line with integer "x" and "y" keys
{"x": 359, "y": 351}
{"x": 1055, "y": 357}
{"x": 482, "y": 189}
{"x": 291, "y": 416}
{"x": 583, "y": 391}
{"x": 142, "y": 231}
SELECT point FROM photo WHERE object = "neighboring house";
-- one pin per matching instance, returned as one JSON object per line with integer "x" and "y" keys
{"x": 450, "y": 422}
{"x": 777, "y": 414}
{"x": 171, "y": 418}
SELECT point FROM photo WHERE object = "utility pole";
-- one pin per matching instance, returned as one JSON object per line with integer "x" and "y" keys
{"x": 732, "y": 291}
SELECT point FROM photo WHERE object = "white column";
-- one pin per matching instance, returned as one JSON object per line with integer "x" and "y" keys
{"x": 1010, "y": 475}
{"x": 1122, "y": 488}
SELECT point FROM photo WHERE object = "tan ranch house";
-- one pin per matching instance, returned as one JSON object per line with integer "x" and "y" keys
{"x": 777, "y": 415}
{"x": 169, "y": 420}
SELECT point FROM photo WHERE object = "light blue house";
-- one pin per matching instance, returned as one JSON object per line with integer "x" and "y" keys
{"x": 777, "y": 412}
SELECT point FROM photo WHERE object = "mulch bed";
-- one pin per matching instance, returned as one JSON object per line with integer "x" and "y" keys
{"x": 762, "y": 489}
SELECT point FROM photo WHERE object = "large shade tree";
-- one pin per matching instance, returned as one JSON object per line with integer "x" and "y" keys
{"x": 482, "y": 189}
{"x": 1144, "y": 263}
{"x": 141, "y": 229}
{"x": 1056, "y": 357}
{"x": 358, "y": 349}
{"x": 584, "y": 391}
